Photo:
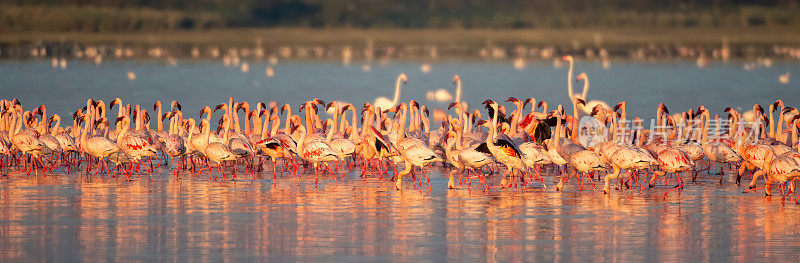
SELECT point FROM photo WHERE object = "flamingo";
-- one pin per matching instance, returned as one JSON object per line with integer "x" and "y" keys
{"x": 174, "y": 144}
{"x": 133, "y": 145}
{"x": 342, "y": 147}
{"x": 216, "y": 151}
{"x": 26, "y": 141}
{"x": 457, "y": 82}
{"x": 463, "y": 157}
{"x": 385, "y": 103}
{"x": 314, "y": 149}
{"x": 781, "y": 169}
{"x": 717, "y": 151}
{"x": 626, "y": 158}
{"x": 502, "y": 149}
{"x": 97, "y": 146}
{"x": 578, "y": 157}
{"x": 413, "y": 151}
{"x": 587, "y": 108}
{"x": 269, "y": 143}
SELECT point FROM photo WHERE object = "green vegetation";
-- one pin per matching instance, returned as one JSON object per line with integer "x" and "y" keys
{"x": 172, "y": 15}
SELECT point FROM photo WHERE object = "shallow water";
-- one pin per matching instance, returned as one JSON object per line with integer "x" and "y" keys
{"x": 196, "y": 83}
{"x": 71, "y": 217}
{"x": 75, "y": 217}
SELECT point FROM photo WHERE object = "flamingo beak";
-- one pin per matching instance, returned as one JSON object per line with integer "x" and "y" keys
{"x": 618, "y": 106}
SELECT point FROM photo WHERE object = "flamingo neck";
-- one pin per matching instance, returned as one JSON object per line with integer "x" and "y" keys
{"x": 160, "y": 118}
{"x": 458, "y": 90}
{"x": 275, "y": 124}
{"x": 585, "y": 87}
{"x": 557, "y": 139}
{"x": 301, "y": 141}
{"x": 515, "y": 119}
{"x": 191, "y": 129}
{"x": 264, "y": 129}
{"x": 309, "y": 122}
{"x": 288, "y": 121}
{"x": 237, "y": 126}
{"x": 569, "y": 80}
{"x": 207, "y": 134}
{"x": 121, "y": 134}
{"x": 335, "y": 117}
{"x": 329, "y": 135}
{"x": 771, "y": 121}
{"x": 780, "y": 133}
{"x": 58, "y": 124}
{"x": 354, "y": 125}
{"x": 397, "y": 91}
{"x": 247, "y": 128}
{"x": 493, "y": 129}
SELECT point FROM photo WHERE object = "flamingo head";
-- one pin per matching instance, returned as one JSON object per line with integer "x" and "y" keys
{"x": 220, "y": 106}
{"x": 456, "y": 79}
{"x": 425, "y": 110}
{"x": 567, "y": 58}
{"x": 146, "y": 116}
{"x": 79, "y": 119}
{"x": 365, "y": 108}
{"x": 579, "y": 101}
{"x": 155, "y": 105}
{"x": 453, "y": 104}
{"x": 619, "y": 105}
{"x": 319, "y": 101}
{"x": 403, "y": 78}
{"x": 513, "y": 100}
{"x": 528, "y": 101}
{"x": 663, "y": 108}
{"x": 414, "y": 104}
{"x": 450, "y": 134}
{"x": 778, "y": 103}
{"x": 581, "y": 76}
{"x": 286, "y": 107}
{"x": 175, "y": 104}
{"x": 116, "y": 101}
{"x": 116, "y": 122}
{"x": 102, "y": 120}
{"x": 596, "y": 109}
{"x": 757, "y": 107}
{"x": 488, "y": 102}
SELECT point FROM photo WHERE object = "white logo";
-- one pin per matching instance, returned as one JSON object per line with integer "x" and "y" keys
{"x": 591, "y": 131}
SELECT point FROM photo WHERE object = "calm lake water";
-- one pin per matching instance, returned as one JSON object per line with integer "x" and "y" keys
{"x": 196, "y": 83}
{"x": 72, "y": 217}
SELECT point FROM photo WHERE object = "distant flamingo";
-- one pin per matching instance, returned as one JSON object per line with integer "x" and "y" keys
{"x": 383, "y": 102}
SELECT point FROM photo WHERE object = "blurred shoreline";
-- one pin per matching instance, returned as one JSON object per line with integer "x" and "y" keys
{"x": 642, "y": 43}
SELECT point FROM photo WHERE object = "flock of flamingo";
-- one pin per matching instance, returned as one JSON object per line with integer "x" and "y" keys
{"x": 518, "y": 146}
